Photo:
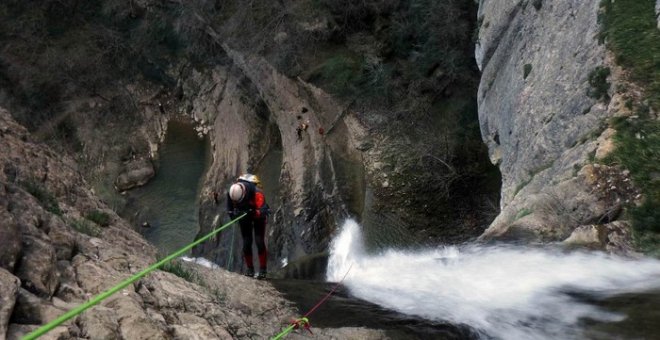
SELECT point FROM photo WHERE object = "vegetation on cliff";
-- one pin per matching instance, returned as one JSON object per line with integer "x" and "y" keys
{"x": 630, "y": 31}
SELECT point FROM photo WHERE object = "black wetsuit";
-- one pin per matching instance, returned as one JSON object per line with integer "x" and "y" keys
{"x": 254, "y": 204}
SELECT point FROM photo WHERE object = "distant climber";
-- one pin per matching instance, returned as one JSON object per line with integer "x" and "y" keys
{"x": 302, "y": 126}
{"x": 245, "y": 196}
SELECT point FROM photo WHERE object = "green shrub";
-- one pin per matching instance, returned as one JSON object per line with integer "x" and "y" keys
{"x": 630, "y": 29}
{"x": 177, "y": 268}
{"x": 66, "y": 131}
{"x": 598, "y": 83}
{"x": 85, "y": 227}
{"x": 99, "y": 217}
{"x": 45, "y": 198}
{"x": 341, "y": 73}
{"x": 638, "y": 150}
{"x": 430, "y": 34}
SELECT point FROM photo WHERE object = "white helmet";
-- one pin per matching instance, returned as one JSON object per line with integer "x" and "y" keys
{"x": 237, "y": 192}
{"x": 250, "y": 178}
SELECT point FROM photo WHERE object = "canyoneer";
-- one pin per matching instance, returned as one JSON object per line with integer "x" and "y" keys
{"x": 245, "y": 196}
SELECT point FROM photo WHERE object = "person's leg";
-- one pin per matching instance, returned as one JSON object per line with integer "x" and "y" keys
{"x": 246, "y": 233}
{"x": 260, "y": 239}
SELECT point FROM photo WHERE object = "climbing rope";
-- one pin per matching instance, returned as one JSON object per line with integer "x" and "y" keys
{"x": 230, "y": 258}
{"x": 303, "y": 322}
{"x": 68, "y": 315}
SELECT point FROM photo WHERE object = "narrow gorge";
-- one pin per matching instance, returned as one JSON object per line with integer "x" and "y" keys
{"x": 443, "y": 139}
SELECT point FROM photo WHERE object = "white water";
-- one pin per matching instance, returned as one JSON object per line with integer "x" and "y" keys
{"x": 503, "y": 292}
{"x": 200, "y": 261}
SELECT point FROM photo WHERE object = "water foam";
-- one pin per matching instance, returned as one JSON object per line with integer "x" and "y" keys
{"x": 506, "y": 292}
{"x": 200, "y": 261}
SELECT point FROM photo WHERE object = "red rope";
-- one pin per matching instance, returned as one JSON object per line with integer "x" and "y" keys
{"x": 330, "y": 293}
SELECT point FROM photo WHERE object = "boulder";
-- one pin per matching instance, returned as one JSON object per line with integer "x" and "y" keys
{"x": 134, "y": 323}
{"x": 99, "y": 323}
{"x": 30, "y": 309}
{"x": 135, "y": 173}
{"x": 37, "y": 268}
{"x": 589, "y": 236}
{"x": 9, "y": 285}
{"x": 68, "y": 289}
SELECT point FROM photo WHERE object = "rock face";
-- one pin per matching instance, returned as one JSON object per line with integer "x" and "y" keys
{"x": 53, "y": 259}
{"x": 657, "y": 11}
{"x": 8, "y": 291}
{"x": 539, "y": 122}
{"x": 310, "y": 199}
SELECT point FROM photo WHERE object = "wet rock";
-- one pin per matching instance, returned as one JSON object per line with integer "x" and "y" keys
{"x": 589, "y": 236}
{"x": 136, "y": 173}
{"x": 9, "y": 285}
{"x": 37, "y": 268}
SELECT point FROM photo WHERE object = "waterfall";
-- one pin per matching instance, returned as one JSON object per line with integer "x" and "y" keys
{"x": 501, "y": 291}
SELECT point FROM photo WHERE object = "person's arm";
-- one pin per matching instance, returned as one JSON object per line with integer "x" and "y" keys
{"x": 230, "y": 208}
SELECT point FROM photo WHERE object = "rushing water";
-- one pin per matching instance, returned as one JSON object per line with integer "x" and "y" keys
{"x": 506, "y": 292}
{"x": 169, "y": 201}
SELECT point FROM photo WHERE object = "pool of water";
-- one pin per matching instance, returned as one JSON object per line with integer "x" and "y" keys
{"x": 169, "y": 202}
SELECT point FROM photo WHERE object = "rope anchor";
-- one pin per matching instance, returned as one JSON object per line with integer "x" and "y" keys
{"x": 304, "y": 321}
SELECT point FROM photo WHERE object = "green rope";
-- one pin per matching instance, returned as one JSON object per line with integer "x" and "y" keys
{"x": 68, "y": 315}
{"x": 230, "y": 259}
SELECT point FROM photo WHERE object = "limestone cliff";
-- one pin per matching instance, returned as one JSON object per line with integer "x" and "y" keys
{"x": 542, "y": 126}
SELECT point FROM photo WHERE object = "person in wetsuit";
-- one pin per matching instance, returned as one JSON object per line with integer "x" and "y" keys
{"x": 245, "y": 196}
